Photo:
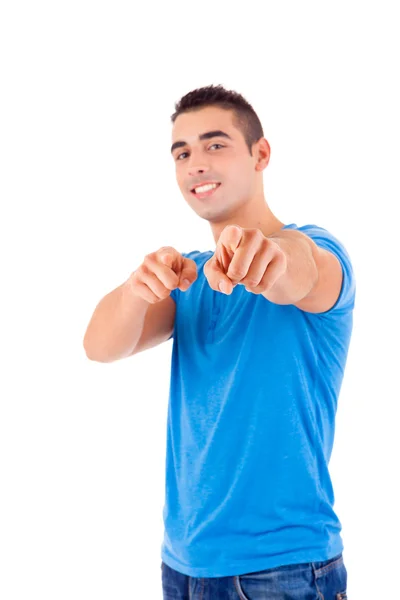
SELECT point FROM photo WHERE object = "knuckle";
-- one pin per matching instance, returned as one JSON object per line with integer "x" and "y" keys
{"x": 236, "y": 272}
{"x": 148, "y": 258}
{"x": 256, "y": 232}
{"x": 144, "y": 269}
{"x": 138, "y": 273}
{"x": 172, "y": 252}
{"x": 134, "y": 275}
{"x": 252, "y": 282}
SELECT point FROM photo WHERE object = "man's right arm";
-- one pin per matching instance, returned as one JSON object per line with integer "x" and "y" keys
{"x": 140, "y": 313}
{"x": 124, "y": 324}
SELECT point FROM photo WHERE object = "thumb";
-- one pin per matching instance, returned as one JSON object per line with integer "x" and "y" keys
{"x": 217, "y": 279}
{"x": 188, "y": 273}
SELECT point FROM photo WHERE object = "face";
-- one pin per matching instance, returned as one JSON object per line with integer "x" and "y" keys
{"x": 219, "y": 159}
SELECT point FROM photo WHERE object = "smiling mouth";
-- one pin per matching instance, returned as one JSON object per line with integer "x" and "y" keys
{"x": 204, "y": 194}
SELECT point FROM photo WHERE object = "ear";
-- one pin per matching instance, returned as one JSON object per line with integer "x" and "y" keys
{"x": 262, "y": 152}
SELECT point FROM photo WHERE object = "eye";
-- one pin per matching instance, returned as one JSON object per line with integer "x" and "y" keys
{"x": 182, "y": 153}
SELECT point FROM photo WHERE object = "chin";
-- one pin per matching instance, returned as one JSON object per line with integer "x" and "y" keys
{"x": 215, "y": 216}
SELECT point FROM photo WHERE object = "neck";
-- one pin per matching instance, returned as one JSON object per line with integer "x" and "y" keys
{"x": 255, "y": 214}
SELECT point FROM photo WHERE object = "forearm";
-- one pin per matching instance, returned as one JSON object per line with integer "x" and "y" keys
{"x": 301, "y": 273}
{"x": 116, "y": 325}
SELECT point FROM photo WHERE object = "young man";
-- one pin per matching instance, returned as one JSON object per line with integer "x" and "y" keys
{"x": 261, "y": 328}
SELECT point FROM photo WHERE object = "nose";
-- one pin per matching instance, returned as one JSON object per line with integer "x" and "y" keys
{"x": 196, "y": 165}
{"x": 193, "y": 171}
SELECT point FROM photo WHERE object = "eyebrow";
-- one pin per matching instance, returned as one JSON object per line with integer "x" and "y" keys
{"x": 203, "y": 136}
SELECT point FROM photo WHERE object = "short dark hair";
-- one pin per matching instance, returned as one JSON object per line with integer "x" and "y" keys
{"x": 244, "y": 117}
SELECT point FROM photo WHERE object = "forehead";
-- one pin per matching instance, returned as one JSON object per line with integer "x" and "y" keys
{"x": 188, "y": 126}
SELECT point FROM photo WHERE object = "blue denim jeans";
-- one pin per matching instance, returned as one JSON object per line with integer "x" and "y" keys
{"x": 326, "y": 580}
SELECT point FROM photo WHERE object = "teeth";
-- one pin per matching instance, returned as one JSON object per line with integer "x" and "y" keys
{"x": 205, "y": 188}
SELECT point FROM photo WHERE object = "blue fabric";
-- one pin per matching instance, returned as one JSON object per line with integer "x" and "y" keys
{"x": 327, "y": 579}
{"x": 250, "y": 427}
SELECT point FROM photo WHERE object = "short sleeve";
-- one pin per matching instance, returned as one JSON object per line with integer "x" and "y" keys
{"x": 325, "y": 239}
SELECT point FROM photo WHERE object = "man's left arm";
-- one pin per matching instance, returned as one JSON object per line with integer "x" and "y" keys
{"x": 287, "y": 267}
{"x": 313, "y": 277}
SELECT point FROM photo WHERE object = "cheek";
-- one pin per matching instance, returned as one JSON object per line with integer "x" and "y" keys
{"x": 179, "y": 178}
{"x": 235, "y": 170}
{"x": 238, "y": 178}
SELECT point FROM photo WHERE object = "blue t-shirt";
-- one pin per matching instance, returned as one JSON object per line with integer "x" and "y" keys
{"x": 250, "y": 426}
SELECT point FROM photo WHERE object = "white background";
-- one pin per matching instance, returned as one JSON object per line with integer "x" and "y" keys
{"x": 88, "y": 188}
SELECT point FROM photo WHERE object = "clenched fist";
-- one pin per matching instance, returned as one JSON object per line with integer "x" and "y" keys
{"x": 160, "y": 273}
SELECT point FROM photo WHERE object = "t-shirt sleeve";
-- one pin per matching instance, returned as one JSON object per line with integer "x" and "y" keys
{"x": 325, "y": 239}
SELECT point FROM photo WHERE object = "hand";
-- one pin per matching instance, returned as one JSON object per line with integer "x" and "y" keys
{"x": 160, "y": 273}
{"x": 247, "y": 257}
